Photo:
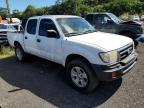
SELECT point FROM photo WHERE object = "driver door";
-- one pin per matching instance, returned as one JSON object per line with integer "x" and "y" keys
{"x": 49, "y": 47}
{"x": 103, "y": 23}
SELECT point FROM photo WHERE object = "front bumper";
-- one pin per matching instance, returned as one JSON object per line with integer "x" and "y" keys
{"x": 140, "y": 38}
{"x": 115, "y": 71}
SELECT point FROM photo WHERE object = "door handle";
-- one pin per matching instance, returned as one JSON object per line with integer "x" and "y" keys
{"x": 26, "y": 37}
{"x": 38, "y": 40}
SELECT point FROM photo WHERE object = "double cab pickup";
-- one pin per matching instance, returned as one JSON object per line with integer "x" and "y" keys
{"x": 89, "y": 56}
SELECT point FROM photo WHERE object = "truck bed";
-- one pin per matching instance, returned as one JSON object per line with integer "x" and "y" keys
{"x": 13, "y": 36}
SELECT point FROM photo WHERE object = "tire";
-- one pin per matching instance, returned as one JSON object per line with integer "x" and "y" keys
{"x": 81, "y": 76}
{"x": 136, "y": 44}
{"x": 20, "y": 54}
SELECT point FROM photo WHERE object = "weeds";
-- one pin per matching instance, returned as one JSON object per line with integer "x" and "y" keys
{"x": 6, "y": 51}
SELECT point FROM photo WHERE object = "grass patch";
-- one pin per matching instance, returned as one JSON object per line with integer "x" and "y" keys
{"x": 6, "y": 51}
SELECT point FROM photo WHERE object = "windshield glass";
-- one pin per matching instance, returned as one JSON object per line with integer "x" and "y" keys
{"x": 115, "y": 18}
{"x": 12, "y": 27}
{"x": 75, "y": 26}
{"x": 3, "y": 26}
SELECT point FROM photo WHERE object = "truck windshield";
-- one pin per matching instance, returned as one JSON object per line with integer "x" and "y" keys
{"x": 115, "y": 18}
{"x": 75, "y": 26}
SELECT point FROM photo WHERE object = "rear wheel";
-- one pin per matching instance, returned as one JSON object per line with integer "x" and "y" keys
{"x": 20, "y": 54}
{"x": 81, "y": 76}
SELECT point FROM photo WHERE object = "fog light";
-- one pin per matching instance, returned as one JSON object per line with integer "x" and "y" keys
{"x": 115, "y": 74}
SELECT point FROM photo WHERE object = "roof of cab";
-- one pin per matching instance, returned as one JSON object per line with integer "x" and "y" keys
{"x": 54, "y": 16}
{"x": 100, "y": 13}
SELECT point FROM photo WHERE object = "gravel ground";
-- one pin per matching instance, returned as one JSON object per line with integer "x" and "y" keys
{"x": 42, "y": 84}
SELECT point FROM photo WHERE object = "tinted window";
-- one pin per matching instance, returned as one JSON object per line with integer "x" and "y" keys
{"x": 31, "y": 27}
{"x": 89, "y": 18}
{"x": 24, "y": 21}
{"x": 101, "y": 19}
{"x": 98, "y": 19}
{"x": 16, "y": 27}
{"x": 46, "y": 24}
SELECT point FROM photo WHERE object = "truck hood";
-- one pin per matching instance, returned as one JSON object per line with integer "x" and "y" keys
{"x": 132, "y": 23}
{"x": 105, "y": 41}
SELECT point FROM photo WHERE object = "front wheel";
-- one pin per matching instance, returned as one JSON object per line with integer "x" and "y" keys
{"x": 81, "y": 76}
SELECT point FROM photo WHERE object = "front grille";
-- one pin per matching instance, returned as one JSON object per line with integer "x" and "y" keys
{"x": 124, "y": 53}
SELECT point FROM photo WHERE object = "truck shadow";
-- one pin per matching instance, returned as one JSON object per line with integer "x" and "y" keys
{"x": 47, "y": 81}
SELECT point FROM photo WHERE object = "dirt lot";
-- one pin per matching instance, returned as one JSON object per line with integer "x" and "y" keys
{"x": 41, "y": 84}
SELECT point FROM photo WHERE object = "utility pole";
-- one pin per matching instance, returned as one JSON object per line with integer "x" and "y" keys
{"x": 8, "y": 10}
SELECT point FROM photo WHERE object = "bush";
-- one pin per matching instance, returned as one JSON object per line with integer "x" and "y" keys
{"x": 119, "y": 7}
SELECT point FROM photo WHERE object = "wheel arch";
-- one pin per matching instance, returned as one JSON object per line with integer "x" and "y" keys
{"x": 16, "y": 43}
{"x": 76, "y": 56}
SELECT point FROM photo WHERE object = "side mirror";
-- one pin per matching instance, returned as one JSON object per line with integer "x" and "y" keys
{"x": 52, "y": 34}
{"x": 110, "y": 21}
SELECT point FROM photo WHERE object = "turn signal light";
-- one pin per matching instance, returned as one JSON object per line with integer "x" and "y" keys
{"x": 115, "y": 74}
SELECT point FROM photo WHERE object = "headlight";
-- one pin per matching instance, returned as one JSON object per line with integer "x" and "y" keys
{"x": 109, "y": 57}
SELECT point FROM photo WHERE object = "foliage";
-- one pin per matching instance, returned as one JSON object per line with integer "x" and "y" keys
{"x": 6, "y": 51}
{"x": 17, "y": 14}
{"x": 3, "y": 12}
{"x": 82, "y": 7}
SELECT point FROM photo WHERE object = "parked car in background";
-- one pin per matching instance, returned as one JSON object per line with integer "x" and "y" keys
{"x": 17, "y": 26}
{"x": 89, "y": 56}
{"x": 4, "y": 29}
{"x": 142, "y": 18}
{"x": 136, "y": 18}
{"x": 108, "y": 22}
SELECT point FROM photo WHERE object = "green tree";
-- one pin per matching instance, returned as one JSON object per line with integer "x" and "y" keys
{"x": 3, "y": 12}
{"x": 17, "y": 14}
{"x": 30, "y": 11}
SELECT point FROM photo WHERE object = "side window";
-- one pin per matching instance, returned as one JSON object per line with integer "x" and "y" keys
{"x": 98, "y": 19}
{"x": 105, "y": 19}
{"x": 46, "y": 24}
{"x": 31, "y": 26}
{"x": 89, "y": 18}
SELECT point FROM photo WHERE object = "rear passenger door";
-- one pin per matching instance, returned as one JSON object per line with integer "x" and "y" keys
{"x": 49, "y": 47}
{"x": 30, "y": 37}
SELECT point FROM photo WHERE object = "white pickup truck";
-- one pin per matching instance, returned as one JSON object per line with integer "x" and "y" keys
{"x": 89, "y": 56}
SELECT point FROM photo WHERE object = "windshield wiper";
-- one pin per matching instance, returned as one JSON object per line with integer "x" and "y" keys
{"x": 89, "y": 31}
{"x": 75, "y": 34}
{"x": 72, "y": 34}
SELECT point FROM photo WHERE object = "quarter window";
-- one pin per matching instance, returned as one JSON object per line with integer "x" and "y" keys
{"x": 31, "y": 27}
